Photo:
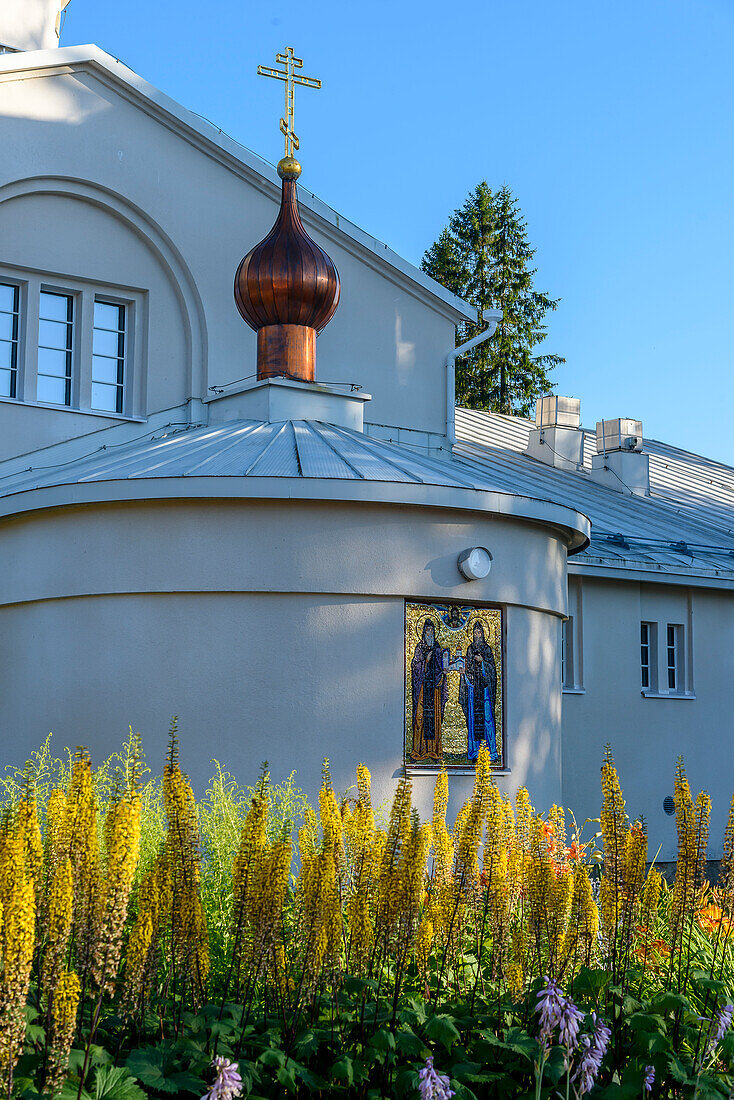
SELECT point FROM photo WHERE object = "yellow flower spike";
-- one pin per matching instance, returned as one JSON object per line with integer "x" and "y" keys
{"x": 613, "y": 820}
{"x": 726, "y": 868}
{"x": 59, "y": 915}
{"x": 692, "y": 821}
{"x": 583, "y": 922}
{"x": 18, "y": 901}
{"x": 123, "y": 849}
{"x": 443, "y": 848}
{"x": 64, "y": 1008}
{"x": 525, "y": 817}
{"x": 27, "y": 822}
{"x": 423, "y": 942}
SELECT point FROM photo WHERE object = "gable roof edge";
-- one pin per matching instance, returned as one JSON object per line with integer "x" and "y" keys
{"x": 239, "y": 159}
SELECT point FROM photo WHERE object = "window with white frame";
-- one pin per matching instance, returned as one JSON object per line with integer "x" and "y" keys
{"x": 567, "y": 677}
{"x": 108, "y": 356}
{"x": 72, "y": 345}
{"x": 572, "y": 671}
{"x": 648, "y": 656}
{"x": 665, "y": 660}
{"x": 674, "y": 657}
{"x": 9, "y": 338}
{"x": 55, "y": 347}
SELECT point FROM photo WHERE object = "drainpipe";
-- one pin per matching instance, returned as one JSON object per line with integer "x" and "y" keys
{"x": 493, "y": 318}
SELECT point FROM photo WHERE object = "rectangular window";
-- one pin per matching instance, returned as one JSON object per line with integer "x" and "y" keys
{"x": 108, "y": 357}
{"x": 648, "y": 656}
{"x": 567, "y": 655}
{"x": 9, "y": 322}
{"x": 674, "y": 653}
{"x": 55, "y": 347}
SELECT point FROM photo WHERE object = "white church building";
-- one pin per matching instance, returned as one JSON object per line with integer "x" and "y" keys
{"x": 297, "y": 545}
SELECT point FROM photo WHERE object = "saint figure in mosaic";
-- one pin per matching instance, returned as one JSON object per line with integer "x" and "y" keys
{"x": 477, "y": 695}
{"x": 430, "y": 692}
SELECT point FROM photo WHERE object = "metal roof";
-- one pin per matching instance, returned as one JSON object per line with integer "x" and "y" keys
{"x": 306, "y": 451}
{"x": 685, "y": 526}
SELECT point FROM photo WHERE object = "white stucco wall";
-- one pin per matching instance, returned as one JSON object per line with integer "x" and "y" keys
{"x": 648, "y": 734}
{"x": 154, "y": 211}
{"x": 270, "y": 629}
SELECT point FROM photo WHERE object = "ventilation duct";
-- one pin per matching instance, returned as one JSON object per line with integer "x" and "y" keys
{"x": 557, "y": 438}
{"x": 620, "y": 462}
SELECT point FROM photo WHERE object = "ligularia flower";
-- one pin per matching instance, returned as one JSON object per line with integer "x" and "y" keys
{"x": 227, "y": 1083}
{"x": 433, "y": 1085}
{"x": 648, "y": 1080}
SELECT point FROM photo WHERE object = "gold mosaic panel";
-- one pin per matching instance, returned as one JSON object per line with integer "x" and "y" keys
{"x": 454, "y": 629}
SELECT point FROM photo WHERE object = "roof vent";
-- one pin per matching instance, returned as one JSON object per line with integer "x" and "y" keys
{"x": 620, "y": 463}
{"x": 557, "y": 438}
{"x": 557, "y": 412}
{"x": 618, "y": 435}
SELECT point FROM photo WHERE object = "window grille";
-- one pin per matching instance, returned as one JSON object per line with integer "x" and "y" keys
{"x": 9, "y": 324}
{"x": 55, "y": 347}
{"x": 108, "y": 357}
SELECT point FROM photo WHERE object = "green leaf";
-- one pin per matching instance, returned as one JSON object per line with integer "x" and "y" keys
{"x": 272, "y": 1058}
{"x": 383, "y": 1040}
{"x": 670, "y": 1002}
{"x": 287, "y": 1078}
{"x": 70, "y": 1091}
{"x": 158, "y": 1068}
{"x": 442, "y": 1029}
{"x": 409, "y": 1043}
{"x": 646, "y": 1021}
{"x": 343, "y": 1070}
{"x": 306, "y": 1044}
{"x": 516, "y": 1040}
{"x": 116, "y": 1083}
{"x": 465, "y": 1071}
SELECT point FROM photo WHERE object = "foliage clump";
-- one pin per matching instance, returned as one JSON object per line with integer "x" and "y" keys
{"x": 146, "y": 936}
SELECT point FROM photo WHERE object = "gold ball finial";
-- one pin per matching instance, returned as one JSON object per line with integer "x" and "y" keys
{"x": 289, "y": 168}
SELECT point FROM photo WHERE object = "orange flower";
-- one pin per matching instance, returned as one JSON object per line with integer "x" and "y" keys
{"x": 549, "y": 835}
{"x": 653, "y": 953}
{"x": 711, "y": 917}
{"x": 574, "y": 852}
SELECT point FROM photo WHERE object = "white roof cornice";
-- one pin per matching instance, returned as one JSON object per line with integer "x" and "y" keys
{"x": 239, "y": 159}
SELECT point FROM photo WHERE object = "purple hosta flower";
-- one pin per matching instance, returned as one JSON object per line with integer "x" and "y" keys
{"x": 227, "y": 1083}
{"x": 569, "y": 1024}
{"x": 648, "y": 1080}
{"x": 551, "y": 1002}
{"x": 722, "y": 1019}
{"x": 433, "y": 1085}
{"x": 718, "y": 1026}
{"x": 593, "y": 1049}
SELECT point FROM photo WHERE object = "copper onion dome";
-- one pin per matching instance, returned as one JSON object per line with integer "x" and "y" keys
{"x": 287, "y": 289}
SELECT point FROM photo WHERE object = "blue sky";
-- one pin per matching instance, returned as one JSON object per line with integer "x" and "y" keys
{"x": 611, "y": 122}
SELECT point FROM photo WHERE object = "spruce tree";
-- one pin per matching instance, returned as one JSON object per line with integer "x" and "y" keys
{"x": 484, "y": 256}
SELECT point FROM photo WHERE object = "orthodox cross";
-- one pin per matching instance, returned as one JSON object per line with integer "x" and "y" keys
{"x": 291, "y": 79}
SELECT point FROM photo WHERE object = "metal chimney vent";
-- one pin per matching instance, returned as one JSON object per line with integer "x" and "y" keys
{"x": 618, "y": 435}
{"x": 557, "y": 412}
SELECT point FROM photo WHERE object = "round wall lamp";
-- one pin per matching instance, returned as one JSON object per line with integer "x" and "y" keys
{"x": 475, "y": 563}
